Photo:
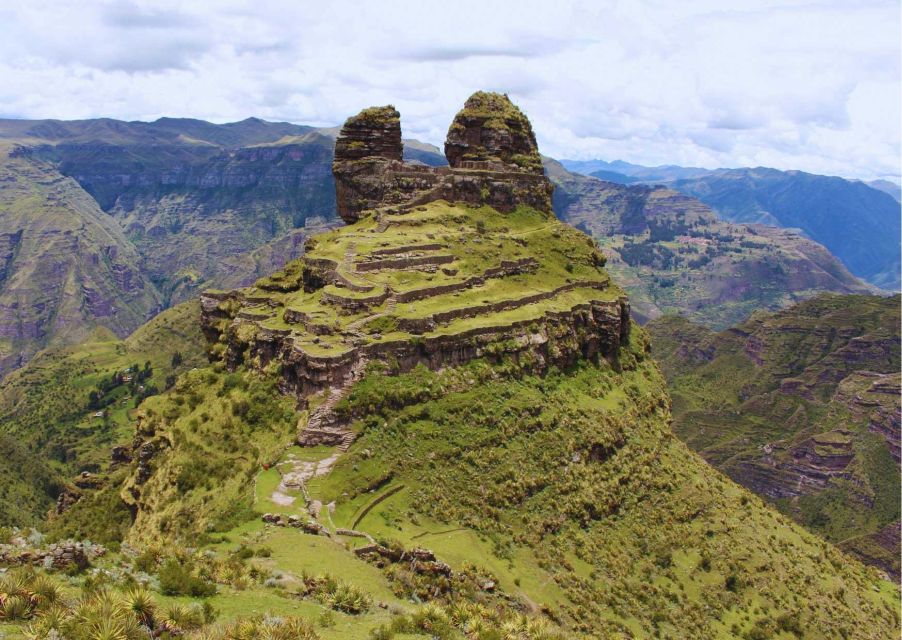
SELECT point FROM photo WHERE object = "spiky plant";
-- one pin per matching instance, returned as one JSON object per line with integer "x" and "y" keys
{"x": 46, "y": 591}
{"x": 16, "y": 607}
{"x": 140, "y": 603}
{"x": 49, "y": 621}
{"x": 181, "y": 618}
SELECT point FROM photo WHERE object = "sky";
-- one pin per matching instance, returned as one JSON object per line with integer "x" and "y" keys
{"x": 811, "y": 85}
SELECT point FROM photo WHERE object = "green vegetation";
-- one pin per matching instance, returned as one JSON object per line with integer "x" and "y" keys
{"x": 209, "y": 437}
{"x": 479, "y": 500}
{"x": 52, "y": 406}
{"x": 801, "y": 394}
{"x": 455, "y": 295}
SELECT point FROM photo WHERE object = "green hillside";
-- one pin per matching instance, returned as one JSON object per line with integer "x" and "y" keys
{"x": 49, "y": 426}
{"x": 441, "y": 422}
{"x": 802, "y": 407}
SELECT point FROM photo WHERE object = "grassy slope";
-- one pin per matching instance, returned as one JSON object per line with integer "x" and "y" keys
{"x": 43, "y": 406}
{"x": 569, "y": 490}
{"x": 728, "y": 407}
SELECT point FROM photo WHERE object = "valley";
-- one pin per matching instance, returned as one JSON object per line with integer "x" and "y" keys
{"x": 802, "y": 407}
{"x": 441, "y": 421}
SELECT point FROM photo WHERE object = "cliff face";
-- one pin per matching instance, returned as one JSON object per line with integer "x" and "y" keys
{"x": 802, "y": 407}
{"x": 673, "y": 255}
{"x": 172, "y": 201}
{"x": 65, "y": 267}
{"x": 498, "y": 168}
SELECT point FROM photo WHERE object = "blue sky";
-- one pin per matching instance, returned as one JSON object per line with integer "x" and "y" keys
{"x": 794, "y": 85}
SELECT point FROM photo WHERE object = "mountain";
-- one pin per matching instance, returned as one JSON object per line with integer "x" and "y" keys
{"x": 673, "y": 255}
{"x": 802, "y": 407}
{"x": 662, "y": 173}
{"x": 887, "y": 186}
{"x": 174, "y": 194}
{"x": 50, "y": 429}
{"x": 442, "y": 421}
{"x": 856, "y": 221}
{"x": 65, "y": 266}
{"x": 858, "y": 224}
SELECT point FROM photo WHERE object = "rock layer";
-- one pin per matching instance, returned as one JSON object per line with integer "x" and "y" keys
{"x": 493, "y": 156}
{"x": 490, "y": 128}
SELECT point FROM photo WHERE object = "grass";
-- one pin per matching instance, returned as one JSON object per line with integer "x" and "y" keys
{"x": 729, "y": 405}
{"x": 563, "y": 255}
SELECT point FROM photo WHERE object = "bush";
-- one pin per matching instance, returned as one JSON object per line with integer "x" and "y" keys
{"x": 177, "y": 579}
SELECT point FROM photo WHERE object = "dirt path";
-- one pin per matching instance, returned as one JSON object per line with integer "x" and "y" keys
{"x": 299, "y": 473}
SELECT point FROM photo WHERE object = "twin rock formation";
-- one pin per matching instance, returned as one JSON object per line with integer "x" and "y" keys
{"x": 491, "y": 150}
{"x": 416, "y": 281}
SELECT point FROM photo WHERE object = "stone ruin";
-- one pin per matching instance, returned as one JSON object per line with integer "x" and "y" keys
{"x": 491, "y": 150}
{"x": 315, "y": 317}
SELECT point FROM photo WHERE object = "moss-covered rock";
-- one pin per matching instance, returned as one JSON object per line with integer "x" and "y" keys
{"x": 491, "y": 128}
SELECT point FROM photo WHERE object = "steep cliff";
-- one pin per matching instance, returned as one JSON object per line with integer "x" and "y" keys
{"x": 802, "y": 407}
{"x": 493, "y": 160}
{"x": 65, "y": 266}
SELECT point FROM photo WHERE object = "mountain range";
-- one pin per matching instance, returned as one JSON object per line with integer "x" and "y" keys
{"x": 442, "y": 421}
{"x": 187, "y": 205}
{"x": 858, "y": 222}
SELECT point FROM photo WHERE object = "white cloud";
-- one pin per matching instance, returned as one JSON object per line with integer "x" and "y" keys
{"x": 812, "y": 85}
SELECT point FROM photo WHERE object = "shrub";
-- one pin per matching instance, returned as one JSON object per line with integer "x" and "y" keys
{"x": 177, "y": 579}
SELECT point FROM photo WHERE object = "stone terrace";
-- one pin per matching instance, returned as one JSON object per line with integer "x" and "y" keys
{"x": 436, "y": 272}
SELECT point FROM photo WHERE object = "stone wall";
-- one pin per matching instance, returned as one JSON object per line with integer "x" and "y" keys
{"x": 591, "y": 331}
{"x": 493, "y": 156}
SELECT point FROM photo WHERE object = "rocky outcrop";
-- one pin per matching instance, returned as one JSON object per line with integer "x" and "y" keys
{"x": 59, "y": 555}
{"x": 490, "y": 128}
{"x": 559, "y": 339}
{"x": 875, "y": 398}
{"x": 419, "y": 283}
{"x": 372, "y": 133}
{"x": 495, "y": 162}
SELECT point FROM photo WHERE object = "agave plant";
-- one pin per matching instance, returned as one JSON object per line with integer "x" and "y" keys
{"x": 181, "y": 618}
{"x": 46, "y": 591}
{"x": 16, "y": 607}
{"x": 99, "y": 615}
{"x": 140, "y": 603}
{"x": 261, "y": 629}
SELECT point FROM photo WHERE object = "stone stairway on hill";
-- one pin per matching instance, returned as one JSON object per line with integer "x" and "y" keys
{"x": 324, "y": 426}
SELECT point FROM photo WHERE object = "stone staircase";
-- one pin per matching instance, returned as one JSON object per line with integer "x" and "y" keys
{"x": 391, "y": 304}
{"x": 324, "y": 426}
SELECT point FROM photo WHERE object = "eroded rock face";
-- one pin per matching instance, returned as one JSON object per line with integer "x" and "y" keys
{"x": 490, "y": 128}
{"x": 493, "y": 156}
{"x": 372, "y": 133}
